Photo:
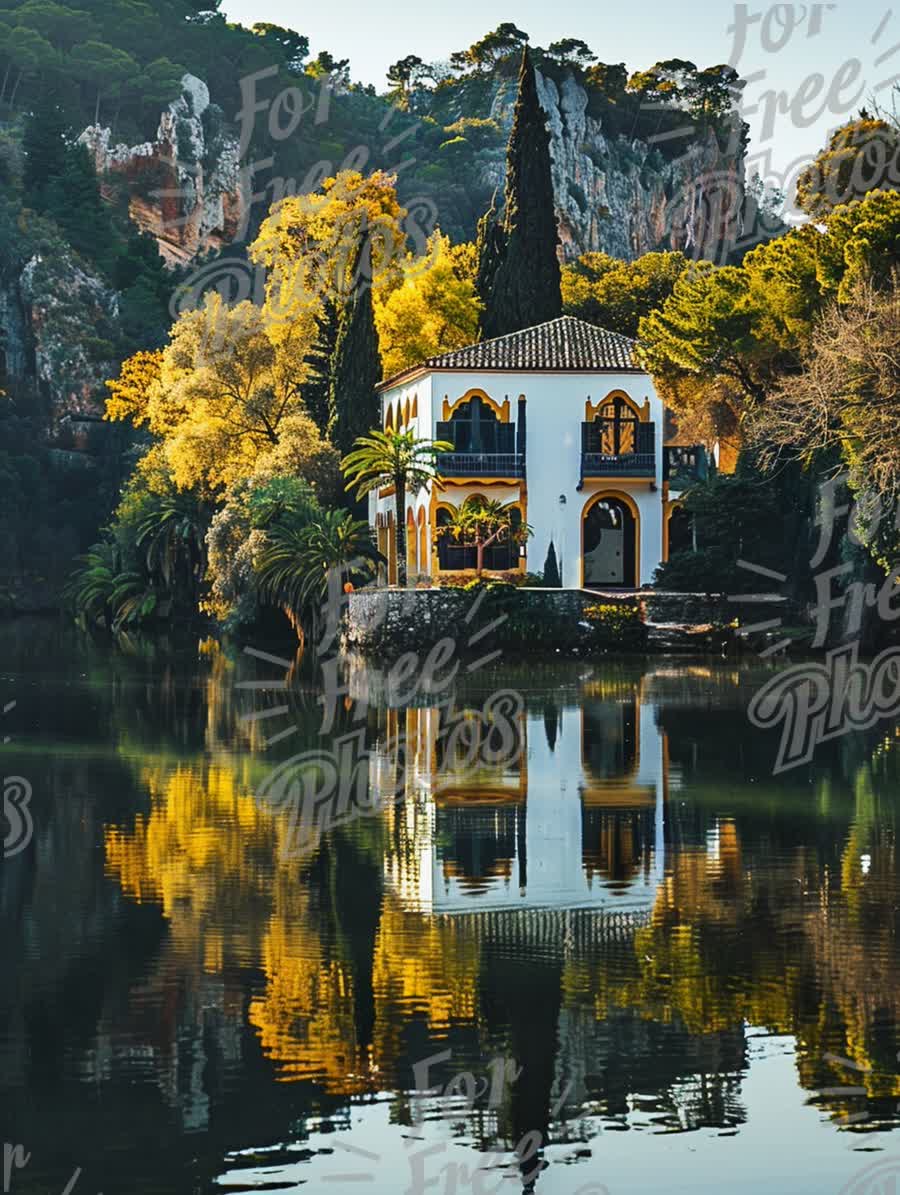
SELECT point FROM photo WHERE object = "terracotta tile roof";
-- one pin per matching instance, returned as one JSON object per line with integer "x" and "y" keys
{"x": 559, "y": 344}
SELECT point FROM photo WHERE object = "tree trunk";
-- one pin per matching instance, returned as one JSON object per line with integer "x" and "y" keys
{"x": 479, "y": 558}
{"x": 400, "y": 529}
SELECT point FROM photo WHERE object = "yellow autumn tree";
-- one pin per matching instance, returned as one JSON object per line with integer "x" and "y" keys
{"x": 229, "y": 383}
{"x": 308, "y": 242}
{"x": 435, "y": 307}
{"x": 130, "y": 391}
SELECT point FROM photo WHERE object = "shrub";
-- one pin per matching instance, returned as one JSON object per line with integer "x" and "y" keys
{"x": 617, "y": 626}
{"x": 511, "y": 577}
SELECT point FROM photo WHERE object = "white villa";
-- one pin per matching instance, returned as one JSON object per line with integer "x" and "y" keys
{"x": 559, "y": 420}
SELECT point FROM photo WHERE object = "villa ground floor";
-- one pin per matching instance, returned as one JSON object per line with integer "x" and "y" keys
{"x": 603, "y": 535}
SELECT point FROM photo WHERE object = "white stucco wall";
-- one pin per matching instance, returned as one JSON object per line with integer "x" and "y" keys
{"x": 555, "y": 410}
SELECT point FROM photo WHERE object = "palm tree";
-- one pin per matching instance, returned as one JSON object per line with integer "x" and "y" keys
{"x": 482, "y": 522}
{"x": 295, "y": 569}
{"x": 173, "y": 536}
{"x": 399, "y": 459}
{"x": 100, "y": 590}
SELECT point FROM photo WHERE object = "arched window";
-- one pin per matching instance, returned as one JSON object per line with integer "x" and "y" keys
{"x": 618, "y": 422}
{"x": 475, "y": 428}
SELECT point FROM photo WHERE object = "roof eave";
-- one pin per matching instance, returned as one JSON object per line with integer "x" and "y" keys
{"x": 413, "y": 372}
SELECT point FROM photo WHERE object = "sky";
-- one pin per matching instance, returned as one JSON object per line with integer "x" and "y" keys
{"x": 811, "y": 65}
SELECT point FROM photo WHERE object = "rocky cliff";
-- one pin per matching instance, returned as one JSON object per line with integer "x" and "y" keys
{"x": 184, "y": 186}
{"x": 623, "y": 195}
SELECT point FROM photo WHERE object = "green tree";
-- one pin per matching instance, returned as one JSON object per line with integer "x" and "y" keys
{"x": 712, "y": 93}
{"x": 664, "y": 83}
{"x": 861, "y": 156}
{"x": 104, "y": 67}
{"x": 74, "y": 202}
{"x": 525, "y": 288}
{"x": 397, "y": 459}
{"x": 609, "y": 77}
{"x": 30, "y": 53}
{"x": 403, "y": 73}
{"x": 44, "y": 146}
{"x": 291, "y": 47}
{"x": 572, "y": 50}
{"x": 483, "y": 55}
{"x": 617, "y": 294}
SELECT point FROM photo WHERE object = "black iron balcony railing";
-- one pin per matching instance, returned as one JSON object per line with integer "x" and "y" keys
{"x": 481, "y": 464}
{"x": 683, "y": 465}
{"x": 618, "y": 448}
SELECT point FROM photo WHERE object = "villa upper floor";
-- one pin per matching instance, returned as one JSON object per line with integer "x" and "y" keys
{"x": 565, "y": 394}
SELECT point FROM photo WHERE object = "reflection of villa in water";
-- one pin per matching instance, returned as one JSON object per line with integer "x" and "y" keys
{"x": 523, "y": 836}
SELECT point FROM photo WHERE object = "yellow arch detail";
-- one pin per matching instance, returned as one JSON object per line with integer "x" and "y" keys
{"x": 592, "y": 410}
{"x": 501, "y": 410}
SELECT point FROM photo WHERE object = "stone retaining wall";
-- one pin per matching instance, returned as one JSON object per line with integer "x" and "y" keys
{"x": 383, "y": 622}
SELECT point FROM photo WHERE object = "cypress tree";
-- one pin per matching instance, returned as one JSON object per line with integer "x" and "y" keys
{"x": 490, "y": 243}
{"x": 551, "y": 569}
{"x": 356, "y": 365}
{"x": 526, "y": 282}
{"x": 316, "y": 391}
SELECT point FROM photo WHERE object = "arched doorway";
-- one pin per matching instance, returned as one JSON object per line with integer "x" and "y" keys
{"x": 609, "y": 544}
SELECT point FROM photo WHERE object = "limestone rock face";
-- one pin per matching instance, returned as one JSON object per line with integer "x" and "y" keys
{"x": 623, "y": 196}
{"x": 184, "y": 186}
{"x": 69, "y": 316}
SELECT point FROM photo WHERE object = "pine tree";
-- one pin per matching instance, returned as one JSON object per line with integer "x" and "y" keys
{"x": 552, "y": 578}
{"x": 525, "y": 289}
{"x": 44, "y": 146}
{"x": 356, "y": 366}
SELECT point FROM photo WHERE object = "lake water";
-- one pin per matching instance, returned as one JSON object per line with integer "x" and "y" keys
{"x": 614, "y": 953}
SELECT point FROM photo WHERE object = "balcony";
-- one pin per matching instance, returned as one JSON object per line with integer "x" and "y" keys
{"x": 618, "y": 448}
{"x": 480, "y": 449}
{"x": 685, "y": 465}
{"x": 480, "y": 464}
